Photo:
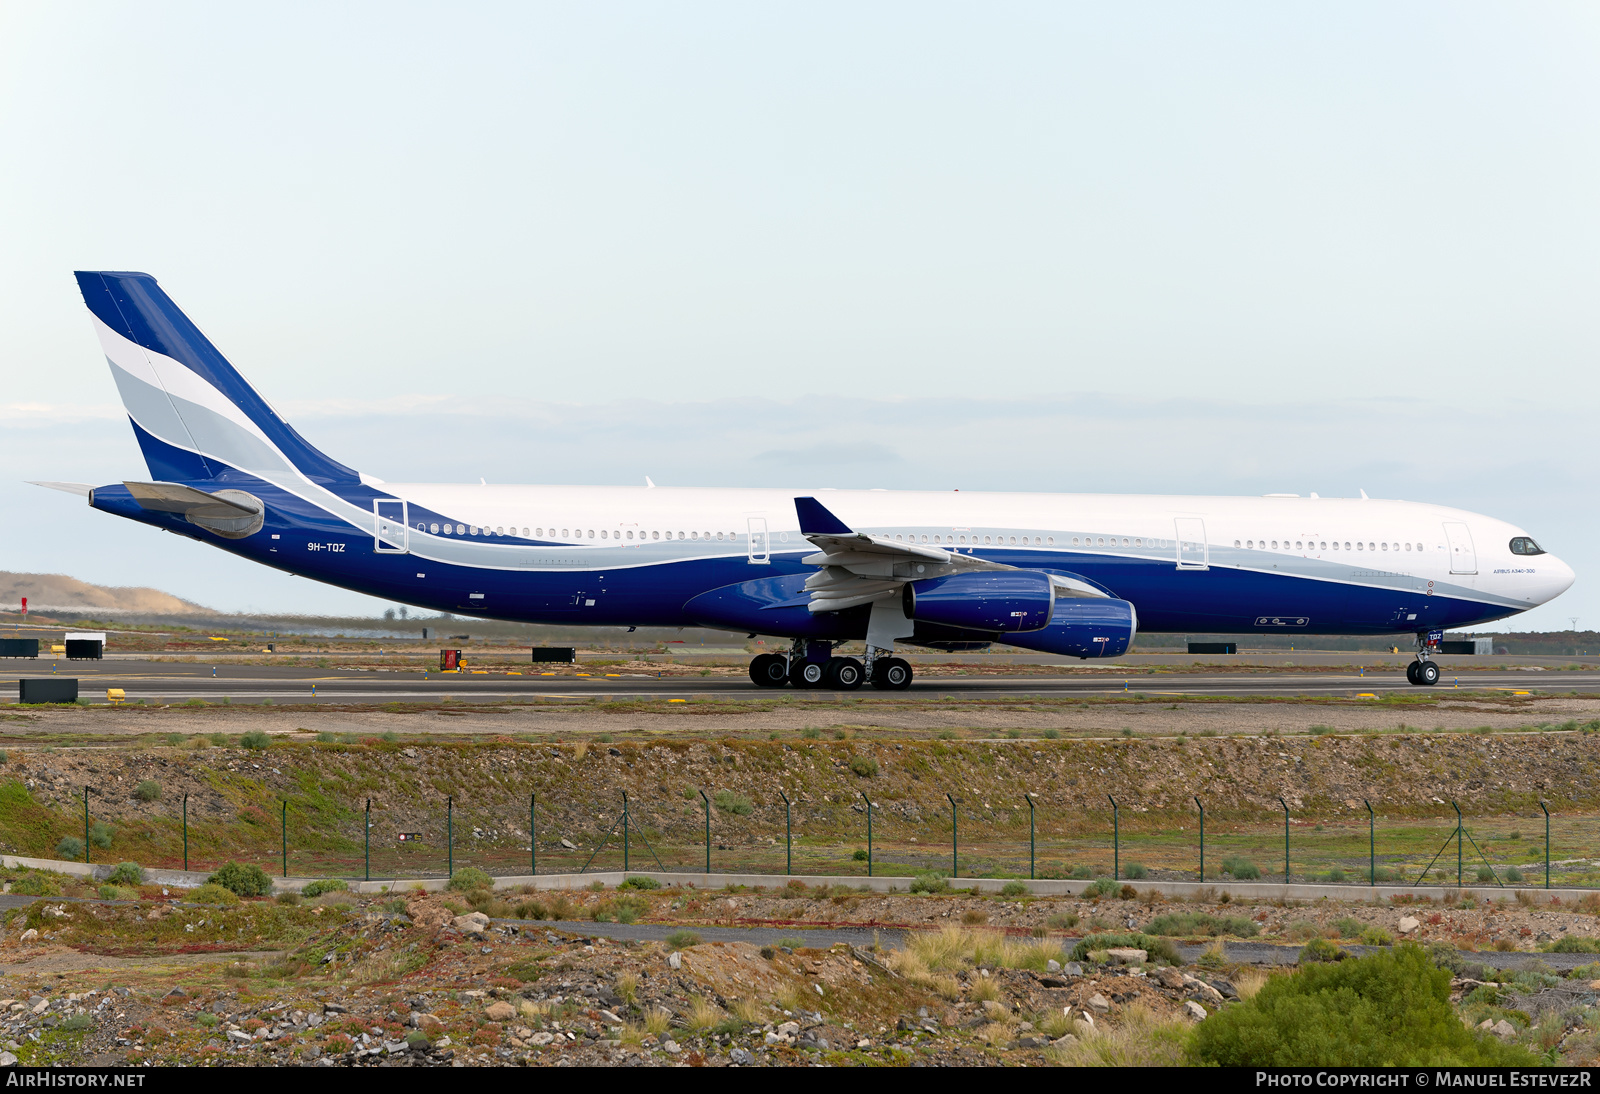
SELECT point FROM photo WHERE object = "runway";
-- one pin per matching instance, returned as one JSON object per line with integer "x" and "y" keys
{"x": 177, "y": 682}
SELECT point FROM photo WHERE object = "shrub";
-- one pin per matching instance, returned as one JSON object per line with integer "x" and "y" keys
{"x": 859, "y": 854}
{"x": 727, "y": 801}
{"x": 1574, "y": 944}
{"x": 1079, "y": 873}
{"x": 1159, "y": 949}
{"x": 1241, "y": 868}
{"x": 1135, "y": 872}
{"x": 70, "y": 848}
{"x": 930, "y": 882}
{"x": 126, "y": 873}
{"x": 640, "y": 883}
{"x": 245, "y": 879}
{"x": 1336, "y": 875}
{"x": 1376, "y": 936}
{"x": 469, "y": 878}
{"x": 288, "y": 898}
{"x": 1349, "y": 927}
{"x": 683, "y": 939}
{"x": 100, "y": 834}
{"x": 532, "y": 909}
{"x": 78, "y": 1023}
{"x": 255, "y": 739}
{"x": 211, "y": 893}
{"x": 323, "y": 885}
{"x": 1387, "y": 1010}
{"x": 1513, "y": 874}
{"x": 1013, "y": 889}
{"x": 1320, "y": 949}
{"x": 1102, "y": 887}
{"x": 1063, "y": 921}
{"x": 864, "y": 766}
{"x": 1485, "y": 874}
{"x": 148, "y": 790}
{"x": 118, "y": 892}
{"x": 38, "y": 883}
{"x": 1202, "y": 925}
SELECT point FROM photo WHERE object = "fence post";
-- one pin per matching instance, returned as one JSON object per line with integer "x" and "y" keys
{"x": 1202, "y": 837}
{"x": 186, "y": 833}
{"x": 368, "y": 834}
{"x": 708, "y": 829}
{"x": 1459, "y": 830}
{"x": 1546, "y": 844}
{"x": 788, "y": 832}
{"x": 283, "y": 831}
{"x": 86, "y": 826}
{"x": 1285, "y": 839}
{"x": 1372, "y": 844}
{"x": 450, "y": 835}
{"x": 869, "y": 831}
{"x": 1116, "y": 840}
{"x": 955, "y": 838}
{"x": 1029, "y": 799}
{"x": 533, "y": 837}
{"x": 624, "y": 831}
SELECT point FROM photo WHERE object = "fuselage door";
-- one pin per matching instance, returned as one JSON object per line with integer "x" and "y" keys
{"x": 1463, "y": 557}
{"x": 758, "y": 552}
{"x": 1192, "y": 553}
{"x": 390, "y": 535}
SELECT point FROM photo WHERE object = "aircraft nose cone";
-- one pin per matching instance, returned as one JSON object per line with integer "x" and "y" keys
{"x": 1561, "y": 577}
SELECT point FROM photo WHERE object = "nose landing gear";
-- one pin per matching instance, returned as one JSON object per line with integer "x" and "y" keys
{"x": 1423, "y": 671}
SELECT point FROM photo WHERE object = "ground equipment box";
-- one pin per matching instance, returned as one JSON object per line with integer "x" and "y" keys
{"x": 50, "y": 689}
{"x": 554, "y": 655}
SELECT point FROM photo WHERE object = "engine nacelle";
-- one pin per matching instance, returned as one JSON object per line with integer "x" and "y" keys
{"x": 1083, "y": 628}
{"x": 994, "y": 600}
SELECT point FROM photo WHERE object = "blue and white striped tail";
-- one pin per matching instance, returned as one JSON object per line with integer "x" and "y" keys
{"x": 195, "y": 416}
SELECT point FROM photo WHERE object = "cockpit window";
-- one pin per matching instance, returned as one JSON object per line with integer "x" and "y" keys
{"x": 1522, "y": 545}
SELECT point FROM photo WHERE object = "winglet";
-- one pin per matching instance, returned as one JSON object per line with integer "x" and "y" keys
{"x": 816, "y": 520}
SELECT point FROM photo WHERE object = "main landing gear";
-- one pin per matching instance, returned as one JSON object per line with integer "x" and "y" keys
{"x": 812, "y": 665}
{"x": 1423, "y": 671}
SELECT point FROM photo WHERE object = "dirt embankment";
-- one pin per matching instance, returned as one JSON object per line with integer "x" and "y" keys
{"x": 235, "y": 794}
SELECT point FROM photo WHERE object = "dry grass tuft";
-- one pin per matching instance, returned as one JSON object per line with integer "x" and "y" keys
{"x": 746, "y": 1010}
{"x": 702, "y": 1014}
{"x": 628, "y": 987}
{"x": 657, "y": 1020}
{"x": 1141, "y": 1039}
{"x": 1250, "y": 981}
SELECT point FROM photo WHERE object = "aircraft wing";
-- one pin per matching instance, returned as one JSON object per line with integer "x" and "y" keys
{"x": 856, "y": 568}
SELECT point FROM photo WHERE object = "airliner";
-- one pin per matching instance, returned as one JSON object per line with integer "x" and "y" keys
{"x": 1072, "y": 575}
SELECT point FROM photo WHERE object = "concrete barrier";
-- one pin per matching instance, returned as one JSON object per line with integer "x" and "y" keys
{"x": 1238, "y": 891}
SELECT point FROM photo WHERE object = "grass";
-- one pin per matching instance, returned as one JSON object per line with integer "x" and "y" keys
{"x": 1202, "y": 925}
{"x": 683, "y": 938}
{"x": 1141, "y": 1039}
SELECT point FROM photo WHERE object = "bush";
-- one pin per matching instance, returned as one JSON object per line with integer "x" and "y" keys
{"x": 1063, "y": 921}
{"x": 244, "y": 879}
{"x": 1349, "y": 927}
{"x": 255, "y": 739}
{"x": 1387, "y": 1010}
{"x": 1202, "y": 925}
{"x": 727, "y": 801}
{"x": 1240, "y": 868}
{"x": 1336, "y": 875}
{"x": 324, "y": 885}
{"x": 38, "y": 883}
{"x": 1013, "y": 889}
{"x": 683, "y": 939}
{"x": 1376, "y": 936}
{"x": 864, "y": 766}
{"x": 930, "y": 882}
{"x": 1320, "y": 949}
{"x": 1135, "y": 872}
{"x": 211, "y": 893}
{"x": 859, "y": 854}
{"x": 640, "y": 883}
{"x": 118, "y": 892}
{"x": 288, "y": 898}
{"x": 469, "y": 878}
{"x": 1513, "y": 874}
{"x": 148, "y": 790}
{"x": 100, "y": 834}
{"x": 1159, "y": 949}
{"x": 70, "y": 848}
{"x": 1079, "y": 873}
{"x": 1574, "y": 944}
{"x": 126, "y": 873}
{"x": 1485, "y": 874}
{"x": 1102, "y": 887}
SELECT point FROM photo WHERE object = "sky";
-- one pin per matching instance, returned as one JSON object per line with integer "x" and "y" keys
{"x": 1225, "y": 249}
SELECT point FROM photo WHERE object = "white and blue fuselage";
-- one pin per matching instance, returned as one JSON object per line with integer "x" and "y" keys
{"x": 227, "y": 470}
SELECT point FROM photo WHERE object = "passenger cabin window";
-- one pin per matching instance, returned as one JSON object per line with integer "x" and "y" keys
{"x": 1522, "y": 545}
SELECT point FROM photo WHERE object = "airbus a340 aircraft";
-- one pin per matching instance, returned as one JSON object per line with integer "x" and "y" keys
{"x": 1068, "y": 574}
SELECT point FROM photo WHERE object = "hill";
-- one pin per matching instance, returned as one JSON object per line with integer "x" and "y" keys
{"x": 48, "y": 592}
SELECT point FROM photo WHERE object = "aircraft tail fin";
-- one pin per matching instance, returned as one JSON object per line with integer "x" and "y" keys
{"x": 195, "y": 416}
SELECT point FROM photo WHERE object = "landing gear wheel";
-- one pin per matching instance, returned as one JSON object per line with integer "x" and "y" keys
{"x": 807, "y": 674}
{"x": 769, "y": 671}
{"x": 845, "y": 673}
{"x": 1427, "y": 674}
{"x": 891, "y": 674}
{"x": 1411, "y": 672}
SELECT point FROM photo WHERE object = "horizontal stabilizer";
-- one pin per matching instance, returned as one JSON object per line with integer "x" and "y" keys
{"x": 172, "y": 497}
{"x": 82, "y": 489}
